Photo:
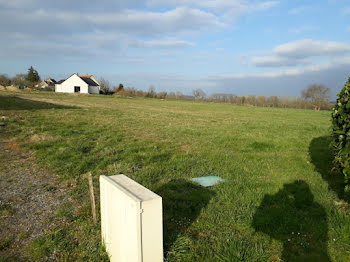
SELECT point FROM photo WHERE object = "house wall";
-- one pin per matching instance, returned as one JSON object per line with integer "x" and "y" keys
{"x": 94, "y": 89}
{"x": 68, "y": 85}
{"x": 43, "y": 84}
{"x": 58, "y": 88}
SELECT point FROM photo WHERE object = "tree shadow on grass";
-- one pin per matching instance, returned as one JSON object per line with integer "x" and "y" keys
{"x": 292, "y": 217}
{"x": 322, "y": 157}
{"x": 17, "y": 103}
{"x": 182, "y": 204}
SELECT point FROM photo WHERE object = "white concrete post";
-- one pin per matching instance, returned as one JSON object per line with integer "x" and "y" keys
{"x": 131, "y": 220}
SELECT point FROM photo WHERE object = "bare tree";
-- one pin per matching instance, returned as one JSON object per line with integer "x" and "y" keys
{"x": 318, "y": 95}
{"x": 5, "y": 80}
{"x": 261, "y": 100}
{"x": 105, "y": 86}
{"x": 199, "y": 93}
{"x": 151, "y": 91}
{"x": 120, "y": 88}
{"x": 171, "y": 95}
{"x": 178, "y": 94}
{"x": 19, "y": 80}
{"x": 162, "y": 95}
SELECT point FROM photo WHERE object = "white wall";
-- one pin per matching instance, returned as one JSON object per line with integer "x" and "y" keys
{"x": 68, "y": 85}
{"x": 94, "y": 89}
{"x": 58, "y": 88}
{"x": 131, "y": 220}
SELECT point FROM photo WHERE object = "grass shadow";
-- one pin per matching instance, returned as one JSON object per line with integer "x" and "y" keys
{"x": 322, "y": 158}
{"x": 182, "y": 204}
{"x": 292, "y": 217}
{"x": 17, "y": 103}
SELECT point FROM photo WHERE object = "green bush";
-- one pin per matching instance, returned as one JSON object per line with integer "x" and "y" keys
{"x": 341, "y": 133}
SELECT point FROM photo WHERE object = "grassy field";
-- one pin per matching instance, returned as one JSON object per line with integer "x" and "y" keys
{"x": 280, "y": 202}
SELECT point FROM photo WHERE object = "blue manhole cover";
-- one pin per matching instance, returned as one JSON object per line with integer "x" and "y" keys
{"x": 207, "y": 181}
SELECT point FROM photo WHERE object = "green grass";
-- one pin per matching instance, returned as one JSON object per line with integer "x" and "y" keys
{"x": 280, "y": 199}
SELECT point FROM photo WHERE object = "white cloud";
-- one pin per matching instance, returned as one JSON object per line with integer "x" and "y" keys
{"x": 228, "y": 10}
{"x": 175, "y": 20}
{"x": 128, "y": 21}
{"x": 284, "y": 82}
{"x": 296, "y": 53}
{"x": 113, "y": 26}
{"x": 309, "y": 47}
{"x": 276, "y": 61}
{"x": 217, "y": 4}
{"x": 167, "y": 43}
{"x": 17, "y": 3}
{"x": 288, "y": 72}
{"x": 80, "y": 5}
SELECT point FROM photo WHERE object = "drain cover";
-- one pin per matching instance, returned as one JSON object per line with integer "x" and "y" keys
{"x": 207, "y": 181}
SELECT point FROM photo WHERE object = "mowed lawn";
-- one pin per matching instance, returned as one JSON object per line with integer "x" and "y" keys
{"x": 280, "y": 201}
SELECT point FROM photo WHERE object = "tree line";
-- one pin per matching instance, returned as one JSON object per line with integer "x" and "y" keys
{"x": 21, "y": 80}
{"x": 315, "y": 96}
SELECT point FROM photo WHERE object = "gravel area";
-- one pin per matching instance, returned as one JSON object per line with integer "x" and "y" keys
{"x": 29, "y": 199}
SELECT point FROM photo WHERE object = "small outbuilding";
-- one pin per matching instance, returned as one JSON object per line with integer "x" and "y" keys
{"x": 85, "y": 84}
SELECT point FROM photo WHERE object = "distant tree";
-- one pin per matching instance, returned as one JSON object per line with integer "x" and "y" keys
{"x": 199, "y": 93}
{"x": 32, "y": 76}
{"x": 105, "y": 86}
{"x": 273, "y": 101}
{"x": 178, "y": 94}
{"x": 20, "y": 80}
{"x": 251, "y": 100}
{"x": 171, "y": 95}
{"x": 261, "y": 100}
{"x": 318, "y": 95}
{"x": 243, "y": 100}
{"x": 5, "y": 80}
{"x": 162, "y": 95}
{"x": 151, "y": 91}
{"x": 120, "y": 88}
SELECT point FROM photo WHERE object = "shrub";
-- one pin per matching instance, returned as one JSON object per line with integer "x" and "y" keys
{"x": 341, "y": 133}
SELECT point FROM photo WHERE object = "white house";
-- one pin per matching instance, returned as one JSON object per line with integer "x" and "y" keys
{"x": 85, "y": 84}
{"x": 46, "y": 83}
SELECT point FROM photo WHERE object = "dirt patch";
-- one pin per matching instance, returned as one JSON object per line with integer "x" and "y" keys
{"x": 29, "y": 199}
{"x": 13, "y": 147}
{"x": 11, "y": 88}
{"x": 40, "y": 138}
{"x": 8, "y": 88}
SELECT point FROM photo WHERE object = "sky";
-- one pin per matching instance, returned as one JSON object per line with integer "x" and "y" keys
{"x": 242, "y": 47}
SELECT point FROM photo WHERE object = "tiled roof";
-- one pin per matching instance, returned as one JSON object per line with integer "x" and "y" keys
{"x": 88, "y": 76}
{"x": 89, "y": 81}
{"x": 50, "y": 80}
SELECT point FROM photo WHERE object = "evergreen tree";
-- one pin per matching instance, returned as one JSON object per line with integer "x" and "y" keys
{"x": 341, "y": 133}
{"x": 33, "y": 75}
{"x": 120, "y": 88}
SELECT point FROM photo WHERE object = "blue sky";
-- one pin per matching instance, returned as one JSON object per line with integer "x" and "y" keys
{"x": 221, "y": 46}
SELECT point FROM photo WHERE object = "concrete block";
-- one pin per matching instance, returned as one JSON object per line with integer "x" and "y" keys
{"x": 131, "y": 220}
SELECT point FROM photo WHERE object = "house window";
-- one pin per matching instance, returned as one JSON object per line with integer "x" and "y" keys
{"x": 77, "y": 89}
